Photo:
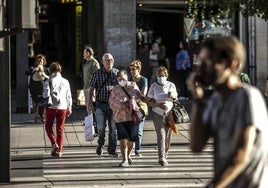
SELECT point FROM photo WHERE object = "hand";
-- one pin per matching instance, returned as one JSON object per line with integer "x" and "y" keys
{"x": 68, "y": 113}
{"x": 183, "y": 66}
{"x": 194, "y": 87}
{"x": 170, "y": 95}
{"x": 90, "y": 107}
{"x": 162, "y": 106}
{"x": 266, "y": 93}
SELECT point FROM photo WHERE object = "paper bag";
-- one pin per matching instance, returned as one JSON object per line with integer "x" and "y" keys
{"x": 89, "y": 128}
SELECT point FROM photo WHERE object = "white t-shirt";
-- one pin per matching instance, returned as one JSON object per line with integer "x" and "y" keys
{"x": 160, "y": 95}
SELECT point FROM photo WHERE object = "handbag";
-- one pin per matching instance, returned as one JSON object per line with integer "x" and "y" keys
{"x": 143, "y": 107}
{"x": 89, "y": 128}
{"x": 180, "y": 115}
{"x": 46, "y": 101}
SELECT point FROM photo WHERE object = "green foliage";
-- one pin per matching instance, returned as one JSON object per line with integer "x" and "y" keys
{"x": 209, "y": 9}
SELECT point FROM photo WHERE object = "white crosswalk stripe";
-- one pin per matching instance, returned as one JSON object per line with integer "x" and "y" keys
{"x": 81, "y": 167}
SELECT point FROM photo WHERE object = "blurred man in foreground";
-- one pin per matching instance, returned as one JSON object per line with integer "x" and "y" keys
{"x": 235, "y": 116}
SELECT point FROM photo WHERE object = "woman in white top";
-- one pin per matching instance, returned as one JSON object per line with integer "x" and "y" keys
{"x": 59, "y": 90}
{"x": 160, "y": 97}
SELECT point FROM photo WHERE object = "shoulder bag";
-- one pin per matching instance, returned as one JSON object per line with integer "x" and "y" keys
{"x": 180, "y": 115}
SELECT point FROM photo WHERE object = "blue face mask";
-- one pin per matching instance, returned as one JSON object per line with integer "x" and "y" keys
{"x": 162, "y": 80}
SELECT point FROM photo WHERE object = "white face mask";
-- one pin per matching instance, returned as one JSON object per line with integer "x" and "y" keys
{"x": 122, "y": 83}
{"x": 162, "y": 80}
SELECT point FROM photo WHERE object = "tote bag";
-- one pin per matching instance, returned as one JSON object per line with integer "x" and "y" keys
{"x": 89, "y": 128}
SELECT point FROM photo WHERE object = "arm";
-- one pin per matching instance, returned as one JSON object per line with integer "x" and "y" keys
{"x": 69, "y": 100}
{"x": 90, "y": 103}
{"x": 199, "y": 134}
{"x": 240, "y": 159}
{"x": 151, "y": 102}
{"x": 144, "y": 89}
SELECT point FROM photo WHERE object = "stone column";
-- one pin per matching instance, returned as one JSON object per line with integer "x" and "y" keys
{"x": 21, "y": 67}
{"x": 119, "y": 30}
{"x": 261, "y": 52}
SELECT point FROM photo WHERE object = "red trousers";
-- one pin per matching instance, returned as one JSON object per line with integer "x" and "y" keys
{"x": 60, "y": 116}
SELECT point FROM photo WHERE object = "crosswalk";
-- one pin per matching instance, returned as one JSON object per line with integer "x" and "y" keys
{"x": 80, "y": 167}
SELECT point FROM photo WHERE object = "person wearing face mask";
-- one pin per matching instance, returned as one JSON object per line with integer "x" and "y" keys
{"x": 119, "y": 100}
{"x": 160, "y": 97}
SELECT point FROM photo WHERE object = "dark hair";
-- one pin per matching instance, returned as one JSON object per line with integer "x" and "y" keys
{"x": 55, "y": 67}
{"x": 157, "y": 37}
{"x": 225, "y": 49}
{"x": 89, "y": 50}
{"x": 121, "y": 72}
{"x": 184, "y": 44}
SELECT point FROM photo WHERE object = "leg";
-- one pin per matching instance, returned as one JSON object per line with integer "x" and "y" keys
{"x": 161, "y": 135}
{"x": 112, "y": 133}
{"x": 123, "y": 149}
{"x": 138, "y": 142}
{"x": 101, "y": 124}
{"x": 50, "y": 115}
{"x": 60, "y": 120}
{"x": 181, "y": 77}
{"x": 167, "y": 141}
{"x": 129, "y": 148}
{"x": 153, "y": 76}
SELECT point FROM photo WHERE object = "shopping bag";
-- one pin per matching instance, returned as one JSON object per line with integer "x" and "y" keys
{"x": 80, "y": 100}
{"x": 89, "y": 128}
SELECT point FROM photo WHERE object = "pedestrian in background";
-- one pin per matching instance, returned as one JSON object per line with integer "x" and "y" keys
{"x": 127, "y": 130}
{"x": 235, "y": 116}
{"x": 103, "y": 80}
{"x": 160, "y": 97}
{"x": 183, "y": 66}
{"x": 38, "y": 74}
{"x": 59, "y": 90}
{"x": 142, "y": 83}
{"x": 89, "y": 66}
{"x": 153, "y": 58}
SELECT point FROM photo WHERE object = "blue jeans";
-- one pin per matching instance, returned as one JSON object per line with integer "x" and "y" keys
{"x": 140, "y": 133}
{"x": 104, "y": 113}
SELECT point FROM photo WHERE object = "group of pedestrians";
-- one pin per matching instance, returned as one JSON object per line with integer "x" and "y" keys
{"x": 114, "y": 90}
{"x": 235, "y": 115}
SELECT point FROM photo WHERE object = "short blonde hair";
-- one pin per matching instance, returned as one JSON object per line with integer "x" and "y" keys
{"x": 162, "y": 71}
{"x": 135, "y": 64}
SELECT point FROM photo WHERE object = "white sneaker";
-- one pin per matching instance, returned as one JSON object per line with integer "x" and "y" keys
{"x": 54, "y": 149}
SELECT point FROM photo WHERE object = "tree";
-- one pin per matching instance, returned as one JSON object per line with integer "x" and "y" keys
{"x": 209, "y": 9}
